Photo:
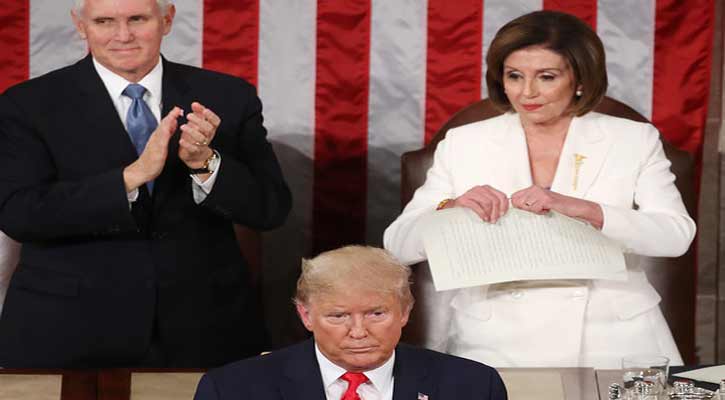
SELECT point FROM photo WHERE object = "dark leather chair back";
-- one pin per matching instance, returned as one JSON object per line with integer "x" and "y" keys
{"x": 674, "y": 278}
{"x": 250, "y": 243}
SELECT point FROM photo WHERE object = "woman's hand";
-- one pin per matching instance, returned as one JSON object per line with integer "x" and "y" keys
{"x": 538, "y": 200}
{"x": 490, "y": 204}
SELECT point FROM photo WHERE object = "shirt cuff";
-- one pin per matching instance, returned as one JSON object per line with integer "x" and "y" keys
{"x": 202, "y": 189}
{"x": 132, "y": 196}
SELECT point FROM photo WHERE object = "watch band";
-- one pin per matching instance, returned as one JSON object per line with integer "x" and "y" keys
{"x": 205, "y": 167}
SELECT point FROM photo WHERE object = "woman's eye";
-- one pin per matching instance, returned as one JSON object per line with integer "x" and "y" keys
{"x": 547, "y": 77}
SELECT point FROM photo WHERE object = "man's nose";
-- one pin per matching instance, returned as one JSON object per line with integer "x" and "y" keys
{"x": 123, "y": 32}
{"x": 357, "y": 328}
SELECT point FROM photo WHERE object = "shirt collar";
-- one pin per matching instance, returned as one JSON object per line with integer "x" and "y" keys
{"x": 115, "y": 84}
{"x": 380, "y": 377}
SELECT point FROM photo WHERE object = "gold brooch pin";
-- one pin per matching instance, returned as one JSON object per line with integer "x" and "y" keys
{"x": 578, "y": 161}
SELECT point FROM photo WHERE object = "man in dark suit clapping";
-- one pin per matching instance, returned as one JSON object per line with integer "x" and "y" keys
{"x": 355, "y": 301}
{"x": 122, "y": 176}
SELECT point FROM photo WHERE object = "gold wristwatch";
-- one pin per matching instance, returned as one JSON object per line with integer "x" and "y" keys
{"x": 205, "y": 167}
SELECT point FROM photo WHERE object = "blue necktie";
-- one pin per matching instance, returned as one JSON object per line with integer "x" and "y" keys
{"x": 140, "y": 121}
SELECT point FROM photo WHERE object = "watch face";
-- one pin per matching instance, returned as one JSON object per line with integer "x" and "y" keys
{"x": 205, "y": 168}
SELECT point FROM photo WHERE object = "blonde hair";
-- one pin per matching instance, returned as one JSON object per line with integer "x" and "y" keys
{"x": 362, "y": 267}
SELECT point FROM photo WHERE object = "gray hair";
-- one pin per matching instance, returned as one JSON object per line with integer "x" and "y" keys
{"x": 163, "y": 6}
{"x": 363, "y": 267}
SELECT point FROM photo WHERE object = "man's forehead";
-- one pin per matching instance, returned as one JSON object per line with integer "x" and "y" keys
{"x": 353, "y": 299}
{"x": 119, "y": 7}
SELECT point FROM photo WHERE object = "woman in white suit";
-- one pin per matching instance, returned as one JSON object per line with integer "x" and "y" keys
{"x": 549, "y": 152}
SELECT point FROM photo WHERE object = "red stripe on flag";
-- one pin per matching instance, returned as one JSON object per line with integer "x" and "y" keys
{"x": 586, "y": 10}
{"x": 341, "y": 112}
{"x": 682, "y": 58}
{"x": 681, "y": 90}
{"x": 453, "y": 70}
{"x": 14, "y": 43}
{"x": 231, "y": 37}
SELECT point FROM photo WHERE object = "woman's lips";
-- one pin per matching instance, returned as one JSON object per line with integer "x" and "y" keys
{"x": 531, "y": 107}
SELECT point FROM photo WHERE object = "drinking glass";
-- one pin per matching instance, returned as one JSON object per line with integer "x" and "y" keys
{"x": 651, "y": 370}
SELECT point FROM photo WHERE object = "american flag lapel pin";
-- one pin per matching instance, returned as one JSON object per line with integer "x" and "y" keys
{"x": 422, "y": 396}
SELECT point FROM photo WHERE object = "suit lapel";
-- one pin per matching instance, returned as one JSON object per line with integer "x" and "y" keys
{"x": 585, "y": 149}
{"x": 100, "y": 119}
{"x": 175, "y": 92}
{"x": 302, "y": 374}
{"x": 410, "y": 374}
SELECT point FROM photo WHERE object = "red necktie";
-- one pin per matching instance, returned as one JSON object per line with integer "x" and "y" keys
{"x": 354, "y": 380}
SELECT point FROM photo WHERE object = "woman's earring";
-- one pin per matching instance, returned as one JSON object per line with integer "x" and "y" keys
{"x": 578, "y": 93}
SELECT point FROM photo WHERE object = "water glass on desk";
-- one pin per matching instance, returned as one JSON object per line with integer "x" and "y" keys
{"x": 645, "y": 376}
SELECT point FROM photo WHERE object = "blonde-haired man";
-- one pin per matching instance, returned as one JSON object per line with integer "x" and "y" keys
{"x": 355, "y": 300}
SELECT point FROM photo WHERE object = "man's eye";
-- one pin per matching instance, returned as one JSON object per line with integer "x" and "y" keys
{"x": 137, "y": 18}
{"x": 102, "y": 21}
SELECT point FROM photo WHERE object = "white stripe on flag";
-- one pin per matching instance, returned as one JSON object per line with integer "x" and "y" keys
{"x": 627, "y": 29}
{"x": 286, "y": 83}
{"x": 495, "y": 15}
{"x": 54, "y": 42}
{"x": 396, "y": 109}
{"x": 184, "y": 43}
{"x": 286, "y": 78}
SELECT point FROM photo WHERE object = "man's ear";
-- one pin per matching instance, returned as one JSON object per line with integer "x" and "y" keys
{"x": 169, "y": 18}
{"x": 78, "y": 24}
{"x": 406, "y": 315}
{"x": 304, "y": 314}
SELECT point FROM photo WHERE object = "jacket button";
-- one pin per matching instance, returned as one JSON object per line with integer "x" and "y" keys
{"x": 517, "y": 294}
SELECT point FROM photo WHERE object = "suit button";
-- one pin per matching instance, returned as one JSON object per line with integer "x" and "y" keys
{"x": 516, "y": 294}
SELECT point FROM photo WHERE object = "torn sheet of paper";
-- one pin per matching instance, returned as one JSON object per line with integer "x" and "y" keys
{"x": 465, "y": 251}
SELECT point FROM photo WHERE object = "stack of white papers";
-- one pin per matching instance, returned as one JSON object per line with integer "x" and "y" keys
{"x": 464, "y": 251}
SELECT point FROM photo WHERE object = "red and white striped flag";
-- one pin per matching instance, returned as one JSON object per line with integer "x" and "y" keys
{"x": 348, "y": 85}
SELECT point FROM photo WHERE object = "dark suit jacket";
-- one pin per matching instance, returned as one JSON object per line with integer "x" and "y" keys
{"x": 95, "y": 279}
{"x": 293, "y": 373}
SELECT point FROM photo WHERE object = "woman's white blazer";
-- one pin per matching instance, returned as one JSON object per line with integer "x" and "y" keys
{"x": 623, "y": 168}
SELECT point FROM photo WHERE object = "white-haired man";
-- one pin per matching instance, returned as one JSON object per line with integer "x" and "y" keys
{"x": 122, "y": 176}
{"x": 355, "y": 300}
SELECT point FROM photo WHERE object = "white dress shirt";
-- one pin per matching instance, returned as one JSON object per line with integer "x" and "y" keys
{"x": 116, "y": 84}
{"x": 378, "y": 387}
{"x": 9, "y": 254}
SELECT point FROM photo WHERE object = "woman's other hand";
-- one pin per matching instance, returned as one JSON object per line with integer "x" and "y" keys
{"x": 538, "y": 200}
{"x": 489, "y": 203}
